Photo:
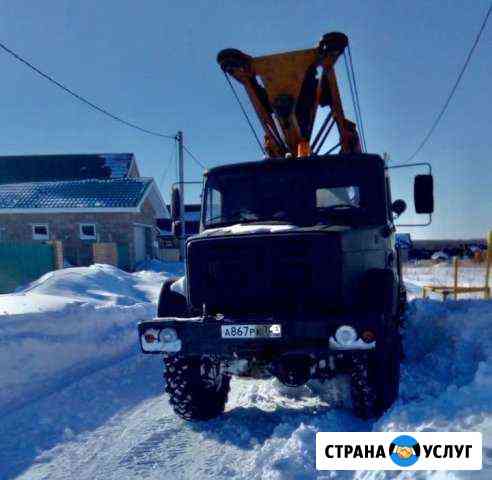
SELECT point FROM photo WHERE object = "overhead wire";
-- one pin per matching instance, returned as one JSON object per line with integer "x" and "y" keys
{"x": 168, "y": 166}
{"x": 453, "y": 89}
{"x": 193, "y": 157}
{"x": 83, "y": 99}
{"x": 99, "y": 108}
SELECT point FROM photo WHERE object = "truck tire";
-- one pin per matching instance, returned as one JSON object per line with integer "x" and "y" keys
{"x": 171, "y": 304}
{"x": 375, "y": 378}
{"x": 197, "y": 390}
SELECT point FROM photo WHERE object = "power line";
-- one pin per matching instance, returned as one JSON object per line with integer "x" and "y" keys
{"x": 193, "y": 157}
{"x": 168, "y": 166}
{"x": 81, "y": 98}
{"x": 453, "y": 90}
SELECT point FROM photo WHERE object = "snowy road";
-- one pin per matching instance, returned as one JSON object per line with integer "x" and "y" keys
{"x": 115, "y": 423}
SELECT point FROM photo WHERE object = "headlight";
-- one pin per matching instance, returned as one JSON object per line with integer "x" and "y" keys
{"x": 345, "y": 335}
{"x": 168, "y": 335}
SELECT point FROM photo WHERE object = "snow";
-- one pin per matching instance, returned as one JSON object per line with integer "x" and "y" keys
{"x": 75, "y": 405}
{"x": 420, "y": 274}
{"x": 440, "y": 256}
{"x": 67, "y": 322}
{"x": 246, "y": 228}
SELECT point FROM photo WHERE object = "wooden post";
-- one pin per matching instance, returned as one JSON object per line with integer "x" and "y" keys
{"x": 455, "y": 284}
{"x": 57, "y": 254}
{"x": 487, "y": 267}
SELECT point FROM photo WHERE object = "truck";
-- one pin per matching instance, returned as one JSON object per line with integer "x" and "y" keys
{"x": 295, "y": 273}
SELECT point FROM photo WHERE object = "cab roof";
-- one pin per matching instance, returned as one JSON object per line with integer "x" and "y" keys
{"x": 341, "y": 160}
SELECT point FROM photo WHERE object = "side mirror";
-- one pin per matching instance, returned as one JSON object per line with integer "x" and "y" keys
{"x": 423, "y": 193}
{"x": 398, "y": 207}
{"x": 175, "y": 204}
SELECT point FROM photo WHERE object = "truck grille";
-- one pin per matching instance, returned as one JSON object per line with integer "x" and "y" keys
{"x": 265, "y": 273}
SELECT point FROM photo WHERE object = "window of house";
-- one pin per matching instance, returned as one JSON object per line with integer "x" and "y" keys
{"x": 40, "y": 231}
{"x": 87, "y": 231}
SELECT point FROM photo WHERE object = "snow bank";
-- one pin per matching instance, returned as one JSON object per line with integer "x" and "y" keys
{"x": 446, "y": 385}
{"x": 67, "y": 323}
{"x": 117, "y": 424}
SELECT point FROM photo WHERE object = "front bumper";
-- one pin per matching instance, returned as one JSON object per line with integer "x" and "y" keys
{"x": 202, "y": 336}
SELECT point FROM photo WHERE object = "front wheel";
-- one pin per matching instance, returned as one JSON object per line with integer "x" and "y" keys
{"x": 375, "y": 378}
{"x": 197, "y": 390}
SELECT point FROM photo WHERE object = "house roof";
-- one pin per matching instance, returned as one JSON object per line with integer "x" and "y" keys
{"x": 44, "y": 168}
{"x": 75, "y": 195}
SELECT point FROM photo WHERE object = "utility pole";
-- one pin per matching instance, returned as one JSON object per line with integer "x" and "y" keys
{"x": 182, "y": 245}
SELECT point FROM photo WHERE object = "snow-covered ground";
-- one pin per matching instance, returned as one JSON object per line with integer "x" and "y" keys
{"x": 77, "y": 400}
{"x": 424, "y": 273}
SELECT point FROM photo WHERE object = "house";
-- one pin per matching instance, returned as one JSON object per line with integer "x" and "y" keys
{"x": 81, "y": 200}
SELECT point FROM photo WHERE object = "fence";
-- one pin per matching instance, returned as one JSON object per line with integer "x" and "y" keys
{"x": 21, "y": 263}
{"x": 169, "y": 254}
{"x": 105, "y": 253}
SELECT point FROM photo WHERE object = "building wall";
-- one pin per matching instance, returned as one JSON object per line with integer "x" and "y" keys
{"x": 133, "y": 172}
{"x": 110, "y": 227}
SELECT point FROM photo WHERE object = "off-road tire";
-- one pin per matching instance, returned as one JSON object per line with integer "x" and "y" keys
{"x": 375, "y": 378}
{"x": 196, "y": 389}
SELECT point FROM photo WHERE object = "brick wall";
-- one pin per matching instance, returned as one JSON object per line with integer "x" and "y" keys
{"x": 110, "y": 227}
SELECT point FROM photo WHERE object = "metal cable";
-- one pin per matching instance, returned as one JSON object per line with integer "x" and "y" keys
{"x": 357, "y": 97}
{"x": 244, "y": 113}
{"x": 453, "y": 90}
{"x": 321, "y": 131}
{"x": 83, "y": 99}
{"x": 332, "y": 148}
{"x": 168, "y": 167}
{"x": 325, "y": 136}
{"x": 354, "y": 94}
{"x": 193, "y": 157}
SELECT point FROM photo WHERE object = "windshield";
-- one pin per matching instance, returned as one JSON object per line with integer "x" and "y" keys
{"x": 302, "y": 195}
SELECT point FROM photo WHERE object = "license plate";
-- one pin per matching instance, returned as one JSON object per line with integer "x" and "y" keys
{"x": 252, "y": 331}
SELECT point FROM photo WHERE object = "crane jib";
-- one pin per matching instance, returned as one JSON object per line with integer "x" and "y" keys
{"x": 287, "y": 89}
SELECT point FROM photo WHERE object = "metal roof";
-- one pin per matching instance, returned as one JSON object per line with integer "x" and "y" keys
{"x": 78, "y": 194}
{"x": 45, "y": 168}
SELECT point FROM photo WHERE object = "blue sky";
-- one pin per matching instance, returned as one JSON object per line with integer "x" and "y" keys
{"x": 153, "y": 62}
